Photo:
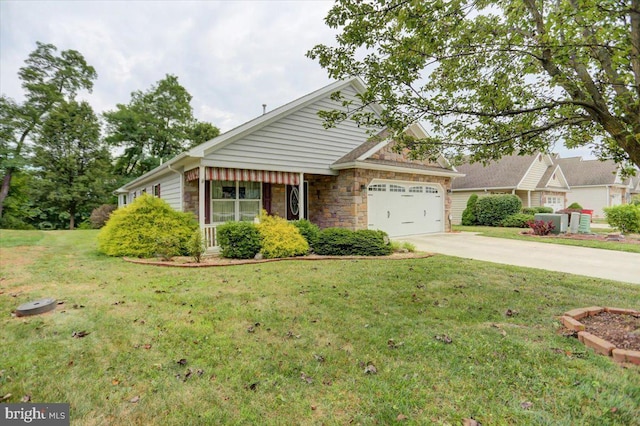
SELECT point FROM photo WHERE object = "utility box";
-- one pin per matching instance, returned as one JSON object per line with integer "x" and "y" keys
{"x": 585, "y": 224}
{"x": 574, "y": 223}
{"x": 560, "y": 221}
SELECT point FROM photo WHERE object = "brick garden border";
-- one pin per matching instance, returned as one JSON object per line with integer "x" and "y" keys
{"x": 571, "y": 321}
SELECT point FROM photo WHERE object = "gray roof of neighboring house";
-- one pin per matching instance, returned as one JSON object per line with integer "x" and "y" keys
{"x": 505, "y": 173}
{"x": 581, "y": 172}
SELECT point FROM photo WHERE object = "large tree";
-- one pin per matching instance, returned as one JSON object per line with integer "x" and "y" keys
{"x": 494, "y": 77}
{"x": 153, "y": 127}
{"x": 47, "y": 79}
{"x": 71, "y": 161}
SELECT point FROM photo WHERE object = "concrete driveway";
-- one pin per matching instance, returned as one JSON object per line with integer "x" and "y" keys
{"x": 608, "y": 264}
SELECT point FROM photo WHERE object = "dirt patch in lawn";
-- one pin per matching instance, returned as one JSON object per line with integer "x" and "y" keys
{"x": 627, "y": 239}
{"x": 221, "y": 261}
{"x": 623, "y": 331}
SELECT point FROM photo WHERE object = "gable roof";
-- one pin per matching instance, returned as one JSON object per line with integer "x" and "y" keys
{"x": 581, "y": 172}
{"x": 505, "y": 173}
{"x": 546, "y": 179}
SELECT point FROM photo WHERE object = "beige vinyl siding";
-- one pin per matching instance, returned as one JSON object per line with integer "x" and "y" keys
{"x": 459, "y": 203}
{"x": 555, "y": 182}
{"x": 295, "y": 142}
{"x": 534, "y": 174}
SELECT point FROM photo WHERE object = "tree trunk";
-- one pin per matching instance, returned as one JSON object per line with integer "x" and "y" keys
{"x": 4, "y": 189}
{"x": 72, "y": 219}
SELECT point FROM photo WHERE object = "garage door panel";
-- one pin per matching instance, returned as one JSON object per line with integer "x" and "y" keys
{"x": 404, "y": 208}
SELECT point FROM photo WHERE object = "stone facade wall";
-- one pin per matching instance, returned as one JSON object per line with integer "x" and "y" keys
{"x": 388, "y": 153}
{"x": 341, "y": 201}
{"x": 279, "y": 200}
{"x": 191, "y": 198}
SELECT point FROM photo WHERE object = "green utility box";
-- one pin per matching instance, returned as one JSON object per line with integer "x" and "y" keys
{"x": 560, "y": 221}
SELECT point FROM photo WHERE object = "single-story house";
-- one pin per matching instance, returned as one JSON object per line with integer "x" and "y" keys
{"x": 535, "y": 178}
{"x": 286, "y": 162}
{"x": 595, "y": 184}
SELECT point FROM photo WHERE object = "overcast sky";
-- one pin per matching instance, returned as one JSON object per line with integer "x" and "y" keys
{"x": 231, "y": 56}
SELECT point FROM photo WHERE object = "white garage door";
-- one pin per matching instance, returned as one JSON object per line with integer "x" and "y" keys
{"x": 400, "y": 208}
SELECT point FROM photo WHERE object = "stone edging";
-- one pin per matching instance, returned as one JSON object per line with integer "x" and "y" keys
{"x": 571, "y": 321}
{"x": 255, "y": 261}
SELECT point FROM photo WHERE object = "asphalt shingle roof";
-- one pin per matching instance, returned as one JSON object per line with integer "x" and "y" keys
{"x": 505, "y": 173}
{"x": 581, "y": 172}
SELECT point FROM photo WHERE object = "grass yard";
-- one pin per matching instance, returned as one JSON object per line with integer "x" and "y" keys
{"x": 514, "y": 234}
{"x": 289, "y": 342}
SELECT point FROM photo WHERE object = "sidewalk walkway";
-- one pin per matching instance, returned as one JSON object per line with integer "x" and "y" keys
{"x": 598, "y": 263}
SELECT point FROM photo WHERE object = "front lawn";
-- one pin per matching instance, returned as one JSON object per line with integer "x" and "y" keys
{"x": 515, "y": 234}
{"x": 420, "y": 341}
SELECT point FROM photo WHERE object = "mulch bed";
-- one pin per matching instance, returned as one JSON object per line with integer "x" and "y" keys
{"x": 628, "y": 239}
{"x": 623, "y": 331}
{"x": 212, "y": 261}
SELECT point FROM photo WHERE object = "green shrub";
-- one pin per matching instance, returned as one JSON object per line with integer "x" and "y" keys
{"x": 534, "y": 210}
{"x": 344, "y": 242}
{"x": 625, "y": 217}
{"x": 635, "y": 200}
{"x": 493, "y": 209}
{"x": 280, "y": 238}
{"x": 469, "y": 217}
{"x": 195, "y": 246}
{"x": 100, "y": 215}
{"x": 575, "y": 206}
{"x": 517, "y": 220}
{"x": 146, "y": 228}
{"x": 404, "y": 246}
{"x": 239, "y": 240}
{"x": 308, "y": 230}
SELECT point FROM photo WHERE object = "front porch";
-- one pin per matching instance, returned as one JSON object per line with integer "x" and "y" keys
{"x": 218, "y": 195}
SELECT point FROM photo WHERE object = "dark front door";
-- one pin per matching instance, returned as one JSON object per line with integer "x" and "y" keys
{"x": 293, "y": 202}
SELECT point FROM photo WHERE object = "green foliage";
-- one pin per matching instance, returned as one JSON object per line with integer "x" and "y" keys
{"x": 402, "y": 246}
{"x": 469, "y": 217}
{"x": 344, "y": 242}
{"x": 517, "y": 220}
{"x": 478, "y": 61}
{"x": 48, "y": 79}
{"x": 534, "y": 210}
{"x": 195, "y": 246}
{"x": 625, "y": 217}
{"x": 73, "y": 163}
{"x": 280, "y": 238}
{"x": 574, "y": 206}
{"x": 156, "y": 125}
{"x": 100, "y": 215}
{"x": 540, "y": 227}
{"x": 308, "y": 230}
{"x": 146, "y": 228}
{"x": 491, "y": 210}
{"x": 635, "y": 200}
{"x": 238, "y": 240}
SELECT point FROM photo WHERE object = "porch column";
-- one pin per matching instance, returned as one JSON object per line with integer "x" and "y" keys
{"x": 201, "y": 194}
{"x": 528, "y": 198}
{"x": 301, "y": 200}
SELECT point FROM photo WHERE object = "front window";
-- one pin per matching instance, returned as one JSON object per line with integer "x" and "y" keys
{"x": 235, "y": 200}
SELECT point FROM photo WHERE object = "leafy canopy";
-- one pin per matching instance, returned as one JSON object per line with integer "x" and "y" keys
{"x": 155, "y": 126}
{"x": 48, "y": 79}
{"x": 494, "y": 77}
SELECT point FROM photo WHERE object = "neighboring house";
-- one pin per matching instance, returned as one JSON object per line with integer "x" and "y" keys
{"x": 289, "y": 164}
{"x": 595, "y": 184}
{"x": 536, "y": 179}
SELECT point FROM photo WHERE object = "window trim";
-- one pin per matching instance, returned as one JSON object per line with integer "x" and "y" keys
{"x": 236, "y": 201}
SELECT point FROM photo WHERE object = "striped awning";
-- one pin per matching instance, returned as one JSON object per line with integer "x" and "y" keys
{"x": 220, "y": 173}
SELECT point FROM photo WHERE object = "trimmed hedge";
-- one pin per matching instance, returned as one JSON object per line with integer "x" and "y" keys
{"x": 517, "y": 220}
{"x": 308, "y": 230}
{"x": 625, "y": 217}
{"x": 491, "y": 210}
{"x": 239, "y": 240}
{"x": 344, "y": 242}
{"x": 147, "y": 227}
{"x": 469, "y": 217}
{"x": 575, "y": 206}
{"x": 280, "y": 238}
{"x": 534, "y": 210}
